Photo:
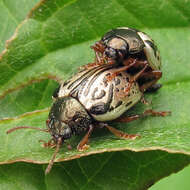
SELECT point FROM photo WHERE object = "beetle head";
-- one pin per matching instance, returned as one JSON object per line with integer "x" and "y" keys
{"x": 116, "y": 48}
{"x": 57, "y": 122}
{"x": 67, "y": 117}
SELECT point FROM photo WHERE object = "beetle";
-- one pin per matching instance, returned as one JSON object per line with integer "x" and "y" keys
{"x": 133, "y": 49}
{"x": 87, "y": 100}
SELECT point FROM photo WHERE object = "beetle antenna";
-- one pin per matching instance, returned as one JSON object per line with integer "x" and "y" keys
{"x": 26, "y": 127}
{"x": 48, "y": 169}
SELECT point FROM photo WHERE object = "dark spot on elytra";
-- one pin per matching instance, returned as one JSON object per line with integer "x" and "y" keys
{"x": 118, "y": 104}
{"x": 128, "y": 103}
{"x": 105, "y": 81}
{"x": 99, "y": 108}
{"x": 117, "y": 81}
{"x": 111, "y": 108}
{"x": 117, "y": 89}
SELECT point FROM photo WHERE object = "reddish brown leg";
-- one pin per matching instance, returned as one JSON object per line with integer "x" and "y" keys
{"x": 121, "y": 69}
{"x": 146, "y": 113}
{"x": 135, "y": 78}
{"x": 99, "y": 49}
{"x": 156, "y": 113}
{"x": 138, "y": 63}
{"x": 144, "y": 101}
{"x": 128, "y": 118}
{"x": 121, "y": 134}
{"x": 49, "y": 144}
{"x": 156, "y": 75}
{"x": 83, "y": 143}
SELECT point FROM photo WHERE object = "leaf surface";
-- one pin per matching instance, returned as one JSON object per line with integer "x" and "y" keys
{"x": 11, "y": 16}
{"x": 53, "y": 42}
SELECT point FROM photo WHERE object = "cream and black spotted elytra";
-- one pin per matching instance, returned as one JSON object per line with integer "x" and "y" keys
{"x": 104, "y": 100}
{"x": 133, "y": 49}
{"x": 87, "y": 101}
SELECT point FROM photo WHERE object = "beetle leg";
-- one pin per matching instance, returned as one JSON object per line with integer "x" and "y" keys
{"x": 145, "y": 114}
{"x": 121, "y": 134}
{"x": 113, "y": 75}
{"x": 144, "y": 101}
{"x": 49, "y": 144}
{"x": 83, "y": 143}
{"x": 135, "y": 78}
{"x": 119, "y": 70}
{"x": 156, "y": 113}
{"x": 97, "y": 58}
{"x": 155, "y": 75}
{"x": 99, "y": 49}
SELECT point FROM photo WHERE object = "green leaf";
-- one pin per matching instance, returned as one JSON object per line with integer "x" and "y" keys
{"x": 95, "y": 172}
{"x": 175, "y": 181}
{"x": 115, "y": 170}
{"x": 51, "y": 44}
{"x": 10, "y": 16}
{"x": 21, "y": 176}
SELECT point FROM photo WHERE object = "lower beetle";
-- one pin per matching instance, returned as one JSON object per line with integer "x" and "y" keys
{"x": 132, "y": 49}
{"x": 87, "y": 100}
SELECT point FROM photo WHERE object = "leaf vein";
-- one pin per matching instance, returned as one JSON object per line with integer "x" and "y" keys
{"x": 101, "y": 167}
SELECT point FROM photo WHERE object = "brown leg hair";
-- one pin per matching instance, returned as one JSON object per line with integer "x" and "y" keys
{"x": 135, "y": 78}
{"x": 121, "y": 69}
{"x": 99, "y": 49}
{"x": 121, "y": 134}
{"x": 83, "y": 143}
{"x": 145, "y": 114}
{"x": 144, "y": 101}
{"x": 49, "y": 144}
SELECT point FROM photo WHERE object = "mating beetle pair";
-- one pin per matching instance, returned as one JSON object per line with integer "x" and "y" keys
{"x": 125, "y": 63}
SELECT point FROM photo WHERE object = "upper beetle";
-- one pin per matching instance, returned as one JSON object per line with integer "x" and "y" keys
{"x": 123, "y": 42}
{"x": 133, "y": 49}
